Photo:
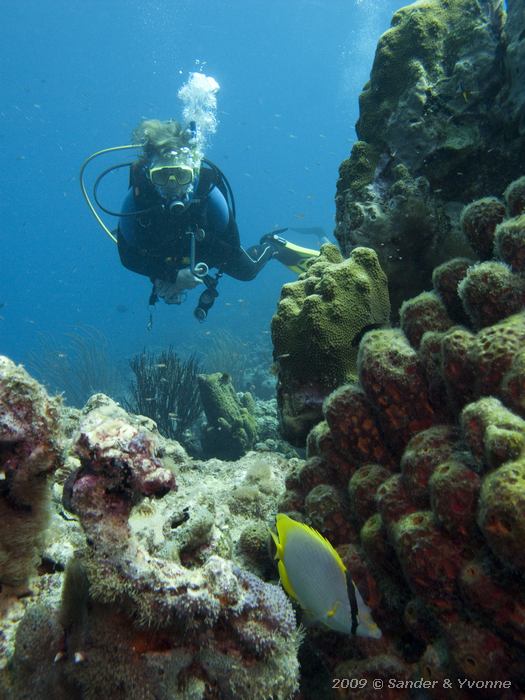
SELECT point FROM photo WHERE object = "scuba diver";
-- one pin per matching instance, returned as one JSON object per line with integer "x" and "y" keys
{"x": 178, "y": 219}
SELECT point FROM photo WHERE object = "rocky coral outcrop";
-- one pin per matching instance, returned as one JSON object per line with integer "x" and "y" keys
{"x": 231, "y": 429}
{"x": 445, "y": 91}
{"x": 161, "y": 597}
{"x": 316, "y": 330}
{"x": 30, "y": 452}
{"x": 419, "y": 466}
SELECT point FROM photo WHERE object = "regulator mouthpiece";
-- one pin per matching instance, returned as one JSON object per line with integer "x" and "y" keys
{"x": 176, "y": 206}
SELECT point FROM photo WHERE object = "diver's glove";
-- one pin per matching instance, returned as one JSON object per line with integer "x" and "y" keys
{"x": 173, "y": 292}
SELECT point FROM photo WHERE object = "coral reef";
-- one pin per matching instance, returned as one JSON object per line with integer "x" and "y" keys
{"x": 419, "y": 466}
{"x": 317, "y": 328}
{"x": 421, "y": 313}
{"x": 156, "y": 601}
{"x": 444, "y": 92}
{"x": 501, "y": 513}
{"x": 146, "y": 583}
{"x": 268, "y": 436}
{"x": 393, "y": 380}
{"x": 231, "y": 429}
{"x": 118, "y": 467}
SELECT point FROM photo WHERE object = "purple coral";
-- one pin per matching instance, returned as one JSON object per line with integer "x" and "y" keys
{"x": 29, "y": 451}
{"x": 118, "y": 468}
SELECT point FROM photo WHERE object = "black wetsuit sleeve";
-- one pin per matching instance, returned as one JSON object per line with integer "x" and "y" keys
{"x": 236, "y": 262}
{"x": 245, "y": 265}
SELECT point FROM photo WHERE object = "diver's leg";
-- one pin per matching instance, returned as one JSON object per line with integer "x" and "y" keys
{"x": 245, "y": 265}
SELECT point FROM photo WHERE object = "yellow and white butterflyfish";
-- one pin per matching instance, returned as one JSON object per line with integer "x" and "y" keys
{"x": 313, "y": 574}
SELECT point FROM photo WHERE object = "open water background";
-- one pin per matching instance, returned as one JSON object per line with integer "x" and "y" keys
{"x": 78, "y": 75}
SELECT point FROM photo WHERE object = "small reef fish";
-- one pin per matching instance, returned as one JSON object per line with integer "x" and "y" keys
{"x": 313, "y": 574}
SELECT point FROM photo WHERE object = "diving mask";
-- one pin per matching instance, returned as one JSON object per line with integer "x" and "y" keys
{"x": 165, "y": 175}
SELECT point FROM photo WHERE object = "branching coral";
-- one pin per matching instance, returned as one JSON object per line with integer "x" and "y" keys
{"x": 80, "y": 365}
{"x": 166, "y": 389}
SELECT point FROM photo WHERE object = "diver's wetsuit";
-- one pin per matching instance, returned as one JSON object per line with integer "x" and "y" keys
{"x": 155, "y": 243}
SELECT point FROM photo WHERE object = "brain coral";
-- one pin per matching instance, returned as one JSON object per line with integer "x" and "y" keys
{"x": 316, "y": 331}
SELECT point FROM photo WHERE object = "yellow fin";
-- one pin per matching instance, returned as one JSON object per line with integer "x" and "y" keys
{"x": 285, "y": 581}
{"x": 278, "y": 546}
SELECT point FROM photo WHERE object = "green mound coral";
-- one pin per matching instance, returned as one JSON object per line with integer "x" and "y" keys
{"x": 478, "y": 222}
{"x": 423, "y": 313}
{"x": 358, "y": 171}
{"x": 501, "y": 513}
{"x": 510, "y": 242}
{"x": 437, "y": 102}
{"x": 316, "y": 330}
{"x": 231, "y": 429}
{"x": 515, "y": 197}
{"x": 416, "y": 43}
{"x": 426, "y": 40}
{"x": 445, "y": 280}
{"x": 490, "y": 292}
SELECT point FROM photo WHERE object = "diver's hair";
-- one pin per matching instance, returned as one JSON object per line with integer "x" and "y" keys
{"x": 157, "y": 136}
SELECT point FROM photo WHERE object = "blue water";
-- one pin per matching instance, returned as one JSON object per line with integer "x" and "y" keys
{"x": 78, "y": 76}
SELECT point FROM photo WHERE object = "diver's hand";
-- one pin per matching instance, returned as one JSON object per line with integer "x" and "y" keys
{"x": 186, "y": 279}
{"x": 168, "y": 292}
{"x": 173, "y": 292}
